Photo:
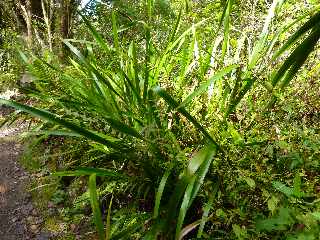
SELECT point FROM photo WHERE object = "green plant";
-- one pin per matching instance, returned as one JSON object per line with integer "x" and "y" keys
{"x": 298, "y": 221}
{"x": 141, "y": 107}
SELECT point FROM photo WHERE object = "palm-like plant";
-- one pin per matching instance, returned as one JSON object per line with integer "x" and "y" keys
{"x": 141, "y": 106}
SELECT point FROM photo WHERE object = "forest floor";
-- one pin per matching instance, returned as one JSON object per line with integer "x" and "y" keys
{"x": 19, "y": 219}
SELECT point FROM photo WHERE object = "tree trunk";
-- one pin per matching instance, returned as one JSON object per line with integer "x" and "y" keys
{"x": 68, "y": 10}
{"x": 26, "y": 12}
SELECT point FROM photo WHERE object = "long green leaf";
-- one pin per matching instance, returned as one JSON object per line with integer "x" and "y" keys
{"x": 203, "y": 170}
{"x": 95, "y": 34}
{"x": 175, "y": 105}
{"x": 147, "y": 62}
{"x": 92, "y": 69}
{"x": 127, "y": 232}
{"x": 95, "y": 206}
{"x": 160, "y": 192}
{"x": 206, "y": 210}
{"x": 299, "y": 55}
{"x": 260, "y": 46}
{"x": 315, "y": 19}
{"x": 184, "y": 206}
{"x": 150, "y": 4}
{"x": 175, "y": 28}
{"x": 248, "y": 83}
{"x": 124, "y": 128}
{"x": 57, "y": 120}
{"x": 115, "y": 32}
{"x": 226, "y": 23}
{"x": 133, "y": 55}
{"x": 53, "y": 133}
{"x": 186, "y": 190}
{"x": 294, "y": 62}
{"x": 89, "y": 171}
{"x": 204, "y": 86}
{"x": 169, "y": 50}
{"x": 108, "y": 224}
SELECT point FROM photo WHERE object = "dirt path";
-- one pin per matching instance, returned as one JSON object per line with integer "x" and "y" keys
{"x": 15, "y": 202}
{"x": 19, "y": 220}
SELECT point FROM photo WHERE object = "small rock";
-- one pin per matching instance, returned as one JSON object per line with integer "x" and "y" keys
{"x": 50, "y": 205}
{"x": 43, "y": 236}
{"x": 27, "y": 197}
{"x": 52, "y": 212}
{"x": 39, "y": 175}
{"x": 27, "y": 209}
{"x": 73, "y": 227}
{"x": 30, "y": 219}
{"x": 34, "y": 212}
{"x": 34, "y": 228}
{"x": 38, "y": 221}
{"x": 19, "y": 229}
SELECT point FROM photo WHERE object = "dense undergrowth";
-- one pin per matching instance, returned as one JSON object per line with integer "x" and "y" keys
{"x": 204, "y": 132}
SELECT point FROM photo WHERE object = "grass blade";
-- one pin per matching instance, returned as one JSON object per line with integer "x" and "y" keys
{"x": 261, "y": 43}
{"x": 298, "y": 34}
{"x": 126, "y": 233}
{"x": 91, "y": 67}
{"x": 203, "y": 87}
{"x": 175, "y": 28}
{"x": 95, "y": 206}
{"x": 210, "y": 151}
{"x": 115, "y": 33}
{"x": 95, "y": 34}
{"x": 133, "y": 54}
{"x": 175, "y": 105}
{"x": 147, "y": 62}
{"x": 160, "y": 192}
{"x": 82, "y": 171}
{"x": 206, "y": 210}
{"x": 226, "y": 23}
{"x": 53, "y": 133}
{"x": 294, "y": 62}
{"x": 184, "y": 206}
{"x": 171, "y": 45}
{"x": 124, "y": 128}
{"x": 301, "y": 54}
{"x": 108, "y": 224}
{"x": 57, "y": 120}
{"x": 248, "y": 83}
{"x": 186, "y": 187}
{"x": 150, "y": 4}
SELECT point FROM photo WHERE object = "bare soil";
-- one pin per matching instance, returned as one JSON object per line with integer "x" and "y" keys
{"x": 15, "y": 202}
{"x": 19, "y": 220}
